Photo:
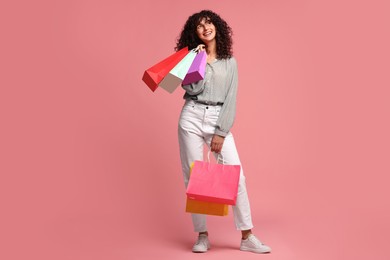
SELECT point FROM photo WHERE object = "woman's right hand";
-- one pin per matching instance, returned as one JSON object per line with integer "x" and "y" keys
{"x": 201, "y": 47}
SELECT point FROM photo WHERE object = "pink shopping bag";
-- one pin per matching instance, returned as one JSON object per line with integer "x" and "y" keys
{"x": 214, "y": 182}
{"x": 207, "y": 208}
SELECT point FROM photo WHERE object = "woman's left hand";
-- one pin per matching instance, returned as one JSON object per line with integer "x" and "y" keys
{"x": 217, "y": 143}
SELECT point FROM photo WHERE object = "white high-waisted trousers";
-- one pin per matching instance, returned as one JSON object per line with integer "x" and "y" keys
{"x": 196, "y": 127}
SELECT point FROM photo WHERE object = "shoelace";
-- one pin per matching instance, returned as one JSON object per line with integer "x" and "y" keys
{"x": 201, "y": 239}
{"x": 254, "y": 240}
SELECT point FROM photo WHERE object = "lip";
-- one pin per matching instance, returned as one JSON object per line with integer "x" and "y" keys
{"x": 207, "y": 33}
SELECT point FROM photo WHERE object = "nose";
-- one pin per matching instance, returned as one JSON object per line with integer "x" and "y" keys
{"x": 205, "y": 27}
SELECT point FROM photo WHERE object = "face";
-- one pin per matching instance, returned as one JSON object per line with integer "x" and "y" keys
{"x": 206, "y": 30}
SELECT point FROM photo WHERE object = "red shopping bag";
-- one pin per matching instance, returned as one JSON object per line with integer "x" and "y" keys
{"x": 214, "y": 182}
{"x": 154, "y": 75}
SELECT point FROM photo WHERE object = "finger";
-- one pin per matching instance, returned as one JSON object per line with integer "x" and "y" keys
{"x": 216, "y": 147}
{"x": 219, "y": 148}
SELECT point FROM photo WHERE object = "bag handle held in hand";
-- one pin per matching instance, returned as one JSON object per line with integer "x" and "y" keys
{"x": 199, "y": 48}
{"x": 208, "y": 158}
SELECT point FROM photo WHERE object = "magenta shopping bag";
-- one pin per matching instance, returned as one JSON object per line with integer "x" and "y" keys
{"x": 197, "y": 69}
{"x": 214, "y": 182}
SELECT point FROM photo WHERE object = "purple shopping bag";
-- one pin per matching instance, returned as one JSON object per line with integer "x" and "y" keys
{"x": 214, "y": 182}
{"x": 197, "y": 69}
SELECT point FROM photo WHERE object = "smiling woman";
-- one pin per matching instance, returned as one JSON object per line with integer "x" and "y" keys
{"x": 202, "y": 22}
{"x": 205, "y": 30}
{"x": 207, "y": 116}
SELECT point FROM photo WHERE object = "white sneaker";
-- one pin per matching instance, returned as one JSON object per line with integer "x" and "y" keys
{"x": 252, "y": 244}
{"x": 202, "y": 244}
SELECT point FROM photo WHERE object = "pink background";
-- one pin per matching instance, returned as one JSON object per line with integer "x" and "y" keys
{"x": 89, "y": 155}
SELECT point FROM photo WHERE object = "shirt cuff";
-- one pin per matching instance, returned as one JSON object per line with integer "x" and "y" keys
{"x": 221, "y": 133}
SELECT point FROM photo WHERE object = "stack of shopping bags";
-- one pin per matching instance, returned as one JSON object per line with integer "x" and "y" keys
{"x": 212, "y": 187}
{"x": 183, "y": 67}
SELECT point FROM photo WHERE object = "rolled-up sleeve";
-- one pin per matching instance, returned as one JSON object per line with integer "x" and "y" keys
{"x": 228, "y": 111}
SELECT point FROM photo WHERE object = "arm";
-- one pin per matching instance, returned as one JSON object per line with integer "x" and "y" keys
{"x": 195, "y": 88}
{"x": 228, "y": 111}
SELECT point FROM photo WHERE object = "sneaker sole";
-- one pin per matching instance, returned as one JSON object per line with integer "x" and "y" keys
{"x": 254, "y": 251}
{"x": 201, "y": 251}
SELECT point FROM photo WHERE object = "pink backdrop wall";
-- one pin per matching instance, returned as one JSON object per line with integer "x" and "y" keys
{"x": 89, "y": 156}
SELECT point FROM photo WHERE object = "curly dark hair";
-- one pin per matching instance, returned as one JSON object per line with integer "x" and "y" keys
{"x": 188, "y": 36}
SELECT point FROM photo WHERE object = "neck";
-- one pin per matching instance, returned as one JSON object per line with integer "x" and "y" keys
{"x": 212, "y": 49}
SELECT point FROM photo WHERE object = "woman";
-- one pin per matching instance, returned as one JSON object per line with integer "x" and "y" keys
{"x": 208, "y": 115}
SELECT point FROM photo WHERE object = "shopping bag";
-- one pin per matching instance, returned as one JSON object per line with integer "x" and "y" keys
{"x": 175, "y": 77}
{"x": 208, "y": 208}
{"x": 214, "y": 182}
{"x": 153, "y": 76}
{"x": 197, "y": 69}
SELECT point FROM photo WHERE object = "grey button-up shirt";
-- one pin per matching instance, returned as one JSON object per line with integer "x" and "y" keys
{"x": 219, "y": 85}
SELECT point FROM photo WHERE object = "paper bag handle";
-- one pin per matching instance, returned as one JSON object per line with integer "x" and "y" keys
{"x": 208, "y": 158}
